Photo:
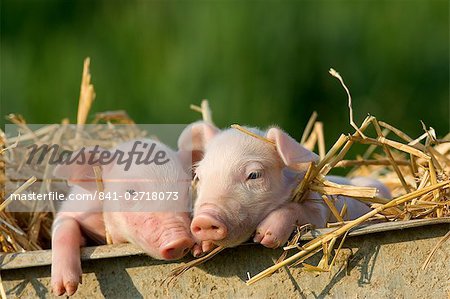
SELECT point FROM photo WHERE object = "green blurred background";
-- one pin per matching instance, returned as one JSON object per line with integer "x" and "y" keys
{"x": 258, "y": 62}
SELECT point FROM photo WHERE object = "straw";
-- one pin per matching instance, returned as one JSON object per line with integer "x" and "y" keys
{"x": 316, "y": 243}
{"x": 352, "y": 122}
{"x": 87, "y": 96}
{"x": 204, "y": 110}
{"x": 19, "y": 190}
{"x": 441, "y": 241}
{"x": 332, "y": 208}
{"x": 308, "y": 127}
{"x": 244, "y": 130}
{"x": 183, "y": 268}
{"x": 415, "y": 170}
{"x": 318, "y": 128}
{"x": 2, "y": 288}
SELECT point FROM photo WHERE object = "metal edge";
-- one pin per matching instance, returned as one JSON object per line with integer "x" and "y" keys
{"x": 365, "y": 229}
{"x": 37, "y": 258}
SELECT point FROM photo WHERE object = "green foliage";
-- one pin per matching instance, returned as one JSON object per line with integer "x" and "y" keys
{"x": 258, "y": 62}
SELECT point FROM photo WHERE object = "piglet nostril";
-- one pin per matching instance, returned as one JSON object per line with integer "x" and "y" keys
{"x": 169, "y": 253}
{"x": 176, "y": 249}
{"x": 196, "y": 229}
{"x": 206, "y": 227}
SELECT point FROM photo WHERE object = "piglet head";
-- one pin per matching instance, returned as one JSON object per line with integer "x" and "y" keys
{"x": 240, "y": 179}
{"x": 145, "y": 203}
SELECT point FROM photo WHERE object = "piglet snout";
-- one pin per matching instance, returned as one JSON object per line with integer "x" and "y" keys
{"x": 207, "y": 227}
{"x": 176, "y": 249}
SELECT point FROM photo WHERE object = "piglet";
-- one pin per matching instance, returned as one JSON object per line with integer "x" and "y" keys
{"x": 244, "y": 185}
{"x": 161, "y": 226}
{"x": 276, "y": 227}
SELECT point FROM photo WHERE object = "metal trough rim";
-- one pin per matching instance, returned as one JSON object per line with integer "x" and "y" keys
{"x": 43, "y": 257}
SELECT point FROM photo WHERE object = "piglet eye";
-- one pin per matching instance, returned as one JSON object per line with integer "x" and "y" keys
{"x": 254, "y": 175}
{"x": 131, "y": 191}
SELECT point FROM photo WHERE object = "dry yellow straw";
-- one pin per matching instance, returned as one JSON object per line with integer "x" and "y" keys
{"x": 204, "y": 110}
{"x": 19, "y": 190}
{"x": 403, "y": 147}
{"x": 318, "y": 128}
{"x": 396, "y": 131}
{"x": 389, "y": 155}
{"x": 183, "y": 268}
{"x": 330, "y": 160}
{"x": 87, "y": 93}
{"x": 11, "y": 146}
{"x": 441, "y": 241}
{"x": 98, "y": 178}
{"x": 352, "y": 123}
{"x": 308, "y": 127}
{"x": 332, "y": 208}
{"x": 244, "y": 130}
{"x": 2, "y": 289}
{"x": 316, "y": 243}
{"x": 87, "y": 96}
{"x": 297, "y": 193}
{"x": 100, "y": 188}
{"x": 383, "y": 162}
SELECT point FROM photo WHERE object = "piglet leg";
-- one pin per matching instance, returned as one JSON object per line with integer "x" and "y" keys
{"x": 275, "y": 229}
{"x": 66, "y": 264}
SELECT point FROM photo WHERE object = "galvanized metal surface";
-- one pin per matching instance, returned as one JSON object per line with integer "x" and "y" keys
{"x": 44, "y": 257}
{"x": 381, "y": 265}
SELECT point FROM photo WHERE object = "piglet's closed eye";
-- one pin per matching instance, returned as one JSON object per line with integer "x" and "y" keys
{"x": 291, "y": 152}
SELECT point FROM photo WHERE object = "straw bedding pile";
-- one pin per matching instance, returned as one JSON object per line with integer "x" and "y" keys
{"x": 416, "y": 171}
{"x": 32, "y": 231}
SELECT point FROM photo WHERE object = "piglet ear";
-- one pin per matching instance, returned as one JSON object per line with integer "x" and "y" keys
{"x": 186, "y": 158}
{"x": 194, "y": 138}
{"x": 78, "y": 171}
{"x": 291, "y": 152}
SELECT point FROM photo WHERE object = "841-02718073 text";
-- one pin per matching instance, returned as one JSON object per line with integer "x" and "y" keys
{"x": 128, "y": 195}
{"x": 134, "y": 195}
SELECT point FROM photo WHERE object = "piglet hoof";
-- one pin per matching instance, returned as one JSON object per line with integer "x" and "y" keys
{"x": 66, "y": 284}
{"x": 208, "y": 246}
{"x": 66, "y": 272}
{"x": 197, "y": 251}
{"x": 202, "y": 248}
